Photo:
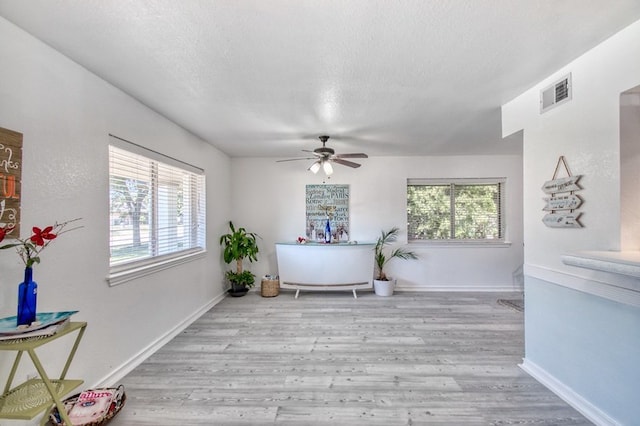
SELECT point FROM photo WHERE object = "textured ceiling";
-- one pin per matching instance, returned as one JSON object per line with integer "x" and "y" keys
{"x": 265, "y": 78}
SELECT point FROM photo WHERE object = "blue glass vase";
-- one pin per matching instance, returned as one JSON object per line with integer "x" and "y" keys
{"x": 27, "y": 298}
{"x": 327, "y": 232}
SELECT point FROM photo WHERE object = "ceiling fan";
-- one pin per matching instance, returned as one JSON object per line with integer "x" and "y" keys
{"x": 324, "y": 156}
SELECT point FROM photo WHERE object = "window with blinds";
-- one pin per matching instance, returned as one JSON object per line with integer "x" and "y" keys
{"x": 455, "y": 210}
{"x": 157, "y": 206}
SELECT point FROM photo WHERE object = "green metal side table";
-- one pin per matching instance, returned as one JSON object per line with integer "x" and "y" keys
{"x": 34, "y": 396}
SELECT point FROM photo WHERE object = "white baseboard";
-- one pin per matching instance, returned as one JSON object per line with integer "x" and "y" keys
{"x": 116, "y": 375}
{"x": 567, "y": 394}
{"x": 492, "y": 288}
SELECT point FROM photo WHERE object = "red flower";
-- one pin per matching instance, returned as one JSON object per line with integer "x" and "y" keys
{"x": 4, "y": 231}
{"x": 39, "y": 235}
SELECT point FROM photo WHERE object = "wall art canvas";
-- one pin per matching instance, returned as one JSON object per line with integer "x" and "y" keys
{"x": 327, "y": 201}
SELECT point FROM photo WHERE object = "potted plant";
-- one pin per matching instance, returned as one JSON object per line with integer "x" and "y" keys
{"x": 382, "y": 284}
{"x": 239, "y": 245}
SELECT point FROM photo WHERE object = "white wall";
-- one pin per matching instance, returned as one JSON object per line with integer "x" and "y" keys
{"x": 586, "y": 131}
{"x": 630, "y": 170}
{"x": 581, "y": 327}
{"x": 66, "y": 114}
{"x": 269, "y": 198}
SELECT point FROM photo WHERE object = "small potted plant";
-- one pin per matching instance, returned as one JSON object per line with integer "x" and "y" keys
{"x": 382, "y": 284}
{"x": 238, "y": 246}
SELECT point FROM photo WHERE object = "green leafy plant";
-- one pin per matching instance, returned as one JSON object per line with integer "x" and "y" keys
{"x": 242, "y": 279}
{"x": 238, "y": 246}
{"x": 381, "y": 259}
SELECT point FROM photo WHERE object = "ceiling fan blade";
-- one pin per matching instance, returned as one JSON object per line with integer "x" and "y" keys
{"x": 296, "y": 159}
{"x": 352, "y": 155}
{"x": 345, "y": 163}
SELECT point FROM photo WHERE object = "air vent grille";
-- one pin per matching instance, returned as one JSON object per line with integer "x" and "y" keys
{"x": 555, "y": 94}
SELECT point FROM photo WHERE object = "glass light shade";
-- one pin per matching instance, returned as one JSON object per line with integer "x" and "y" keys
{"x": 315, "y": 167}
{"x": 327, "y": 168}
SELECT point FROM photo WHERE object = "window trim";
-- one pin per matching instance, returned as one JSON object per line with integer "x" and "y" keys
{"x": 461, "y": 243}
{"x": 468, "y": 243}
{"x": 124, "y": 272}
{"x": 120, "y": 274}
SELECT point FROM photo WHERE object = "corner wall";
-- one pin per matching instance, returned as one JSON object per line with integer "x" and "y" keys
{"x": 581, "y": 326}
{"x": 630, "y": 169}
{"x": 66, "y": 113}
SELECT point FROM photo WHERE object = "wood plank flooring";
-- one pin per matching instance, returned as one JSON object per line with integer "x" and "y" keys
{"x": 329, "y": 359}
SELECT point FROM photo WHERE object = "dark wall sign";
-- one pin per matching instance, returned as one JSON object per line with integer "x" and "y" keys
{"x": 10, "y": 180}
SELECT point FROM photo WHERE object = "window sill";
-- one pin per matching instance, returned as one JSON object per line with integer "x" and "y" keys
{"x": 462, "y": 244}
{"x": 136, "y": 271}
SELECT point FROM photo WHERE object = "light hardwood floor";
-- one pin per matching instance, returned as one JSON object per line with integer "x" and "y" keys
{"x": 329, "y": 359}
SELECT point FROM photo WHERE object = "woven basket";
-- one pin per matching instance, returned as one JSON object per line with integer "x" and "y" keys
{"x": 269, "y": 288}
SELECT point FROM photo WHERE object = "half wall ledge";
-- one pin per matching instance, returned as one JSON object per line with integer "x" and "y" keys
{"x": 615, "y": 262}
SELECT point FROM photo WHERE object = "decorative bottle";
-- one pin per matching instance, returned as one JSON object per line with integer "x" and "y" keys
{"x": 27, "y": 299}
{"x": 327, "y": 232}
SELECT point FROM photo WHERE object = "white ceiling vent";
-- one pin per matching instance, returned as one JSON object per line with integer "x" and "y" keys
{"x": 555, "y": 94}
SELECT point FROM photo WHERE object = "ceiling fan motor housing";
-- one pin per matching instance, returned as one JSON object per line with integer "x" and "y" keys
{"x": 324, "y": 151}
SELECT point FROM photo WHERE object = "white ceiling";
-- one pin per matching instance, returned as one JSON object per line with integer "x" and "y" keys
{"x": 265, "y": 78}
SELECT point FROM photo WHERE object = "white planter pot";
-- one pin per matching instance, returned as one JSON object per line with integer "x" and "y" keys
{"x": 384, "y": 288}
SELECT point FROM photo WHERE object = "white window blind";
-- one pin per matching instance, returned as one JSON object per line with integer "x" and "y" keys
{"x": 455, "y": 210}
{"x": 157, "y": 206}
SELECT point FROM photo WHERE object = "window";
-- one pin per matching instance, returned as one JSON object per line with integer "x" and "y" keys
{"x": 456, "y": 210}
{"x": 157, "y": 208}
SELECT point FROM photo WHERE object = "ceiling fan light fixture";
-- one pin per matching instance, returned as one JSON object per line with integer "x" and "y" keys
{"x": 315, "y": 167}
{"x": 328, "y": 169}
{"x": 324, "y": 156}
